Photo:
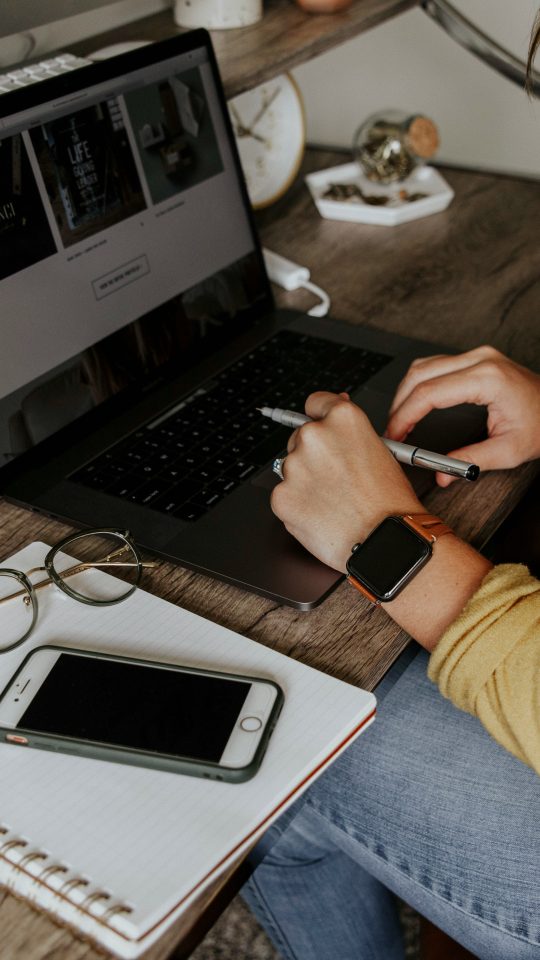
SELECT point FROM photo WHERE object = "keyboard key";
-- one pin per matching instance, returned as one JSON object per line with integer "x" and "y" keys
{"x": 223, "y": 461}
{"x": 169, "y": 503}
{"x": 185, "y": 490}
{"x": 193, "y": 460}
{"x": 96, "y": 479}
{"x": 175, "y": 473}
{"x": 148, "y": 492}
{"x": 241, "y": 470}
{"x": 225, "y": 484}
{"x": 208, "y": 496}
{"x": 125, "y": 486}
{"x": 202, "y": 476}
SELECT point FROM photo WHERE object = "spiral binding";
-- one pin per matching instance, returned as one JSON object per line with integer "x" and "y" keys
{"x": 48, "y": 869}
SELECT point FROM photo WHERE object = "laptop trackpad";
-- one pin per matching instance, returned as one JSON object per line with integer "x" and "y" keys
{"x": 441, "y": 430}
{"x": 376, "y": 405}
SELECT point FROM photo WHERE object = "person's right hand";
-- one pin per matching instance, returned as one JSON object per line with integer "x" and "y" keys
{"x": 483, "y": 376}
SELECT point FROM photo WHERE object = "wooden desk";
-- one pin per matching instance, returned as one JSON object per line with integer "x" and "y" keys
{"x": 465, "y": 276}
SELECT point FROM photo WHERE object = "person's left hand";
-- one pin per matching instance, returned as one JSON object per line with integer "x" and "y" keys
{"x": 340, "y": 481}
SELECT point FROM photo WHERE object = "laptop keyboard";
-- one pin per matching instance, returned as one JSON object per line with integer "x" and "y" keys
{"x": 187, "y": 460}
{"x": 35, "y": 72}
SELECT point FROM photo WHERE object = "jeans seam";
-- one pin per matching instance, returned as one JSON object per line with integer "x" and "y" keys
{"x": 275, "y": 932}
{"x": 427, "y": 890}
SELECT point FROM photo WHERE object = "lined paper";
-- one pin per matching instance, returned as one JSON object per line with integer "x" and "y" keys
{"x": 144, "y": 838}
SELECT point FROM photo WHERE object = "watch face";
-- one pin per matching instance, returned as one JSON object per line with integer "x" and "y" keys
{"x": 386, "y": 561}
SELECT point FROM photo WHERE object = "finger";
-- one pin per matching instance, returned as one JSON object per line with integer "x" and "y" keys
{"x": 495, "y": 453}
{"x": 318, "y": 405}
{"x": 427, "y": 368}
{"x": 464, "y": 386}
{"x": 292, "y": 441}
{"x": 424, "y": 368}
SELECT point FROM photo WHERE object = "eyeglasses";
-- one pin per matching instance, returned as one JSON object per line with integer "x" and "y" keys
{"x": 112, "y": 551}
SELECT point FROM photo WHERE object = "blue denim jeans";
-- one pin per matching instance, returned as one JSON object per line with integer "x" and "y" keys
{"x": 424, "y": 804}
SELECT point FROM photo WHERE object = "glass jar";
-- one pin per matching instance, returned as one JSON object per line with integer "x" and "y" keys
{"x": 389, "y": 145}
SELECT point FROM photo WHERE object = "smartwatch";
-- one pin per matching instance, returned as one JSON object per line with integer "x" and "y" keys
{"x": 393, "y": 554}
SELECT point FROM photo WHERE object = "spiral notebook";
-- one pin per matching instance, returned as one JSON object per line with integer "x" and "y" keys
{"x": 120, "y": 852}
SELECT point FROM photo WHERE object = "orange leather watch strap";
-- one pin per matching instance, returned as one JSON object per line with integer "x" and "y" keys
{"x": 426, "y": 525}
{"x": 363, "y": 590}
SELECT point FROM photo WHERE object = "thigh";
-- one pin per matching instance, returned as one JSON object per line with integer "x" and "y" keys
{"x": 428, "y": 802}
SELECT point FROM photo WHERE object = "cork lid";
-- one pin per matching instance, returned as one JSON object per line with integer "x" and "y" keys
{"x": 423, "y": 137}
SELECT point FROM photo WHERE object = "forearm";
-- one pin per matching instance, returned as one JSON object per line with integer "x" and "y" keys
{"x": 488, "y": 660}
{"x": 341, "y": 483}
{"x": 437, "y": 594}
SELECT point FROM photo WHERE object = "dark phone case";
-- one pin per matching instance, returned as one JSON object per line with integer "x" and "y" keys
{"x": 139, "y": 758}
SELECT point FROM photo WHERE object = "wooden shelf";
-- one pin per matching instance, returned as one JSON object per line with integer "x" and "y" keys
{"x": 283, "y": 39}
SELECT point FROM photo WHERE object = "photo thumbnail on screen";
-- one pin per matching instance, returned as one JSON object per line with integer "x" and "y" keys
{"x": 25, "y": 234}
{"x": 89, "y": 171}
{"x": 174, "y": 133}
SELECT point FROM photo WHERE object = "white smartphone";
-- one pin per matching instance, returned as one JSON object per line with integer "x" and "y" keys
{"x": 184, "y": 720}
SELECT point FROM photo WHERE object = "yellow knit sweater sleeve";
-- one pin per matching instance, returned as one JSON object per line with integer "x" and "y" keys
{"x": 488, "y": 661}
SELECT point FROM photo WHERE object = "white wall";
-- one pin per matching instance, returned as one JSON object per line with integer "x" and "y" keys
{"x": 484, "y": 120}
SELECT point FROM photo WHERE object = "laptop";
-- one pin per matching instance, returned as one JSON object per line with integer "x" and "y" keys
{"x": 139, "y": 332}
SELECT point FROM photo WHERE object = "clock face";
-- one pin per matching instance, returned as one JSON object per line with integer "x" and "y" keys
{"x": 269, "y": 126}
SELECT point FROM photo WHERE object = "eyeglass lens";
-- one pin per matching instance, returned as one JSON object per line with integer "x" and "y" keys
{"x": 106, "y": 571}
{"x": 16, "y": 610}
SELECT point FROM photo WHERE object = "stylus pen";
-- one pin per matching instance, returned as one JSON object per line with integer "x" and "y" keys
{"x": 403, "y": 452}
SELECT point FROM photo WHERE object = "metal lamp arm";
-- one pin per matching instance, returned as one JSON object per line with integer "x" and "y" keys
{"x": 469, "y": 36}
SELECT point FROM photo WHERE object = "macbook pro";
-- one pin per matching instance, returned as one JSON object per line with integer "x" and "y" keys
{"x": 138, "y": 329}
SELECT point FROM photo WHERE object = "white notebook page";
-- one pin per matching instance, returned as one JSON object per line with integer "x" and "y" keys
{"x": 147, "y": 838}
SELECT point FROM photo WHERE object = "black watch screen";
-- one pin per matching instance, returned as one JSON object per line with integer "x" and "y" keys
{"x": 388, "y": 558}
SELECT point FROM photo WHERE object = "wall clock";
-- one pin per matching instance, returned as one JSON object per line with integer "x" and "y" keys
{"x": 270, "y": 129}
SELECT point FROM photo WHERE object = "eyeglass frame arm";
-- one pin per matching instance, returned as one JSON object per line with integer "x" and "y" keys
{"x": 473, "y": 39}
{"x": 70, "y": 572}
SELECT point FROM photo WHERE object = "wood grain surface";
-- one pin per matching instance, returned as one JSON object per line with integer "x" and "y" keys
{"x": 284, "y": 38}
{"x": 463, "y": 277}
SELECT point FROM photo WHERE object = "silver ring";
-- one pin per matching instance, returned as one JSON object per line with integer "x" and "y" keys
{"x": 277, "y": 467}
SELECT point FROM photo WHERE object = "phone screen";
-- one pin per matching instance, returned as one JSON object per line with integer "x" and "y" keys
{"x": 135, "y": 706}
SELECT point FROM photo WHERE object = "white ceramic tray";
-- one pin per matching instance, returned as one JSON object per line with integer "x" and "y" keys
{"x": 422, "y": 180}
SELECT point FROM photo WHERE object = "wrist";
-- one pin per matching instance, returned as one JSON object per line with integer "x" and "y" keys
{"x": 423, "y": 590}
{"x": 436, "y": 597}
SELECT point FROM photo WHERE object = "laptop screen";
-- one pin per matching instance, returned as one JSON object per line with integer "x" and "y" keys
{"x": 126, "y": 243}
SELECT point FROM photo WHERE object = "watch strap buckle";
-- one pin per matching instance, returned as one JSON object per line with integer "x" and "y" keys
{"x": 428, "y": 526}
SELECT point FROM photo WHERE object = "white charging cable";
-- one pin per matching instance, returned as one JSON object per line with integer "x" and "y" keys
{"x": 292, "y": 276}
